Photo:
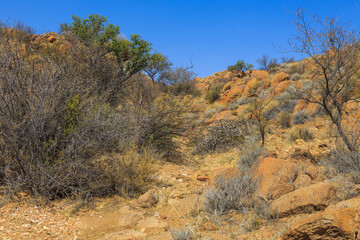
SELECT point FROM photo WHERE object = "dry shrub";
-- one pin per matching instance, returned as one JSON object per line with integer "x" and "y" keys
{"x": 300, "y": 117}
{"x": 284, "y": 119}
{"x": 250, "y": 151}
{"x": 229, "y": 193}
{"x": 159, "y": 121}
{"x": 219, "y": 136}
{"x": 345, "y": 162}
{"x": 293, "y": 68}
{"x": 215, "y": 89}
{"x": 52, "y": 131}
{"x": 300, "y": 133}
{"x": 182, "y": 234}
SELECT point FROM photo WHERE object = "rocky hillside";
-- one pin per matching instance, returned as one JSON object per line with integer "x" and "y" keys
{"x": 260, "y": 164}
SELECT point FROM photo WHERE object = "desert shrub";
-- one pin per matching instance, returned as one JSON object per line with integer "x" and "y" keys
{"x": 55, "y": 118}
{"x": 293, "y": 68}
{"x": 233, "y": 106}
{"x": 180, "y": 81}
{"x": 212, "y": 95}
{"x": 215, "y": 89}
{"x": 128, "y": 175}
{"x": 238, "y": 102}
{"x": 250, "y": 151}
{"x": 284, "y": 119}
{"x": 218, "y": 136}
{"x": 158, "y": 120}
{"x": 242, "y": 101}
{"x": 160, "y": 125}
{"x": 295, "y": 77}
{"x": 229, "y": 193}
{"x": 300, "y": 117}
{"x": 214, "y": 109}
{"x": 300, "y": 133}
{"x": 182, "y": 234}
{"x": 344, "y": 161}
{"x": 285, "y": 100}
{"x": 185, "y": 88}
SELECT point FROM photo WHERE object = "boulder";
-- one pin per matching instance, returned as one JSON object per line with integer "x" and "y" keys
{"x": 260, "y": 74}
{"x": 131, "y": 218}
{"x": 148, "y": 199}
{"x": 273, "y": 176}
{"x": 339, "y": 221}
{"x": 278, "y": 78}
{"x": 303, "y": 180}
{"x": 303, "y": 200}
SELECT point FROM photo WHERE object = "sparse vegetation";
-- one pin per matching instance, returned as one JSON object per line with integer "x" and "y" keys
{"x": 219, "y": 136}
{"x": 213, "y": 94}
{"x": 240, "y": 65}
{"x": 91, "y": 118}
{"x": 182, "y": 234}
{"x": 230, "y": 193}
{"x": 300, "y": 133}
{"x": 332, "y": 48}
{"x": 267, "y": 64}
{"x": 61, "y": 112}
{"x": 250, "y": 151}
{"x": 284, "y": 119}
{"x": 300, "y": 117}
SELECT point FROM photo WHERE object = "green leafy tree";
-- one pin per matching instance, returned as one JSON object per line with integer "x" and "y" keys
{"x": 240, "y": 65}
{"x": 133, "y": 55}
{"x": 157, "y": 64}
{"x": 94, "y": 29}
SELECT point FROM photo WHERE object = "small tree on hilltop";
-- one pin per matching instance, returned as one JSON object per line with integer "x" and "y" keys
{"x": 93, "y": 29}
{"x": 333, "y": 51}
{"x": 132, "y": 55}
{"x": 240, "y": 65}
{"x": 266, "y": 63}
{"x": 258, "y": 107}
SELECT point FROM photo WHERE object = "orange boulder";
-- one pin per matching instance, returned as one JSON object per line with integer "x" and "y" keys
{"x": 339, "y": 221}
{"x": 273, "y": 176}
{"x": 311, "y": 198}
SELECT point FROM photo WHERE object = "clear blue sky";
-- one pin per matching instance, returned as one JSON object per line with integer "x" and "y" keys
{"x": 215, "y": 34}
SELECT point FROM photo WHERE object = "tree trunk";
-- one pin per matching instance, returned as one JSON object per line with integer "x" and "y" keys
{"x": 344, "y": 137}
{"x": 262, "y": 131}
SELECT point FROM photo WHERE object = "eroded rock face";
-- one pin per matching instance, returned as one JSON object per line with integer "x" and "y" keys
{"x": 273, "y": 176}
{"x": 339, "y": 221}
{"x": 304, "y": 200}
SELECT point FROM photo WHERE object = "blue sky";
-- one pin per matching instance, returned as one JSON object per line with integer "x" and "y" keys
{"x": 214, "y": 34}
